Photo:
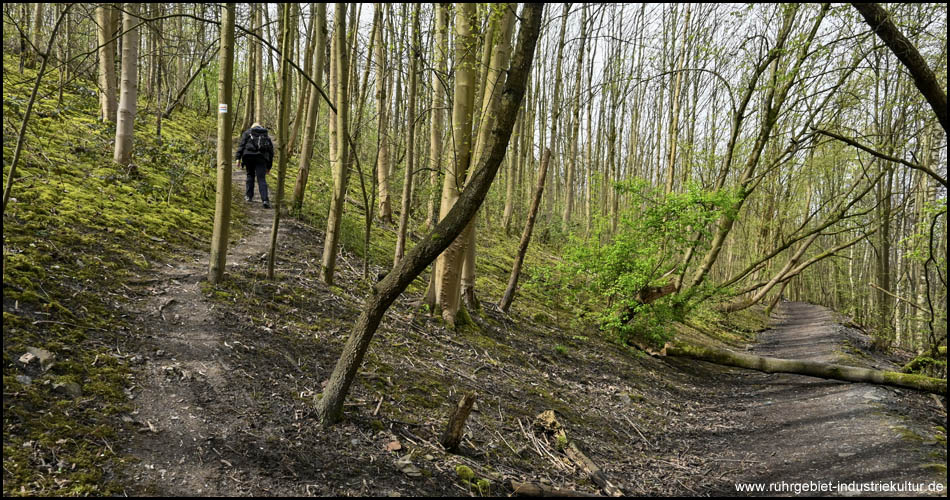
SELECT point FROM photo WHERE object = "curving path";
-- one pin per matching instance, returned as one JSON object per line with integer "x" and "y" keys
{"x": 803, "y": 430}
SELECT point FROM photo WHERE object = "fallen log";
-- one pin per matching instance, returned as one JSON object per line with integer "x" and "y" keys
{"x": 810, "y": 368}
{"x": 543, "y": 490}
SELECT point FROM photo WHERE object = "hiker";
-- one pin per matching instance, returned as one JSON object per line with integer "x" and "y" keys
{"x": 256, "y": 153}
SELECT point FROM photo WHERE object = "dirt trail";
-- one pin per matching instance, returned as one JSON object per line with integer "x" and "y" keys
{"x": 186, "y": 408}
{"x": 224, "y": 387}
{"x": 802, "y": 429}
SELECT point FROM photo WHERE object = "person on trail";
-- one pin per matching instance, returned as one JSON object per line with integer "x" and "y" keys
{"x": 256, "y": 153}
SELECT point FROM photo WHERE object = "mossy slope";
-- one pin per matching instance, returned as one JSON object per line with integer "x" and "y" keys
{"x": 77, "y": 231}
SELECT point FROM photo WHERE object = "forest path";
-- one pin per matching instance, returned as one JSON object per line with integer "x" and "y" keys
{"x": 184, "y": 402}
{"x": 803, "y": 429}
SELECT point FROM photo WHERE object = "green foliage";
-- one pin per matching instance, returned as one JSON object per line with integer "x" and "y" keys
{"x": 645, "y": 252}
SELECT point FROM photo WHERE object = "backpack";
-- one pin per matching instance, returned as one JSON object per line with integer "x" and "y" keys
{"x": 257, "y": 146}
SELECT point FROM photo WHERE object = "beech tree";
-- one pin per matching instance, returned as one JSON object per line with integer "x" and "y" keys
{"x": 105, "y": 15}
{"x": 340, "y": 156}
{"x": 222, "y": 206}
{"x": 129, "y": 85}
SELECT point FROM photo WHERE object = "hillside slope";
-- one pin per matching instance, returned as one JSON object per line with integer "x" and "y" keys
{"x": 188, "y": 389}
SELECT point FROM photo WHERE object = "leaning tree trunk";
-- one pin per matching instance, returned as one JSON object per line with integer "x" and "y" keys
{"x": 222, "y": 205}
{"x": 127, "y": 98}
{"x": 810, "y": 368}
{"x": 330, "y": 408}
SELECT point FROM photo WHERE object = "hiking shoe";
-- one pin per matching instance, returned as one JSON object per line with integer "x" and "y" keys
{"x": 266, "y": 205}
{"x": 247, "y": 198}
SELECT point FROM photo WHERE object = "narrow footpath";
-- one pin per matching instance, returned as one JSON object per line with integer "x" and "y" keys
{"x": 804, "y": 432}
{"x": 188, "y": 408}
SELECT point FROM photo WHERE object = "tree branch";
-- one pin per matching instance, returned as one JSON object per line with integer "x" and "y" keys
{"x": 882, "y": 156}
{"x": 924, "y": 78}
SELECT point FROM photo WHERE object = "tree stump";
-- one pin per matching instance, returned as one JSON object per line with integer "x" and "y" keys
{"x": 455, "y": 427}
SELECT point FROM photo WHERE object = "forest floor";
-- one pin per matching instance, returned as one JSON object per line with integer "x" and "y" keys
{"x": 225, "y": 378}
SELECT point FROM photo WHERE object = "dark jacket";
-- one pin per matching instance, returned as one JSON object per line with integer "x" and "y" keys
{"x": 268, "y": 148}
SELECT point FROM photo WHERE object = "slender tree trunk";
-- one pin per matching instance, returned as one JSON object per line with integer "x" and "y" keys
{"x": 509, "y": 294}
{"x": 313, "y": 108}
{"x": 449, "y": 265}
{"x": 491, "y": 100}
{"x": 258, "y": 56}
{"x": 252, "y": 70}
{"x": 674, "y": 122}
{"x": 382, "y": 106}
{"x": 222, "y": 206}
{"x": 810, "y": 368}
{"x": 21, "y": 137}
{"x": 304, "y": 89}
{"x": 107, "y": 91}
{"x": 439, "y": 51}
{"x": 340, "y": 164}
{"x": 127, "y": 100}
{"x": 289, "y": 25}
{"x": 37, "y": 26}
{"x": 415, "y": 53}
{"x": 572, "y": 162}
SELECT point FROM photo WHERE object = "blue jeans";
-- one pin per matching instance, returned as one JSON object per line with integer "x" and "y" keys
{"x": 260, "y": 171}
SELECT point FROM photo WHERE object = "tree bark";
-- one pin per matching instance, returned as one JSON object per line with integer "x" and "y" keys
{"x": 810, "y": 368}
{"x": 439, "y": 51}
{"x": 340, "y": 165}
{"x": 252, "y": 70}
{"x": 107, "y": 91}
{"x": 415, "y": 53}
{"x": 222, "y": 206}
{"x": 127, "y": 100}
{"x": 257, "y": 54}
{"x": 382, "y": 106}
{"x": 330, "y": 408}
{"x": 494, "y": 79}
{"x": 449, "y": 266}
{"x": 455, "y": 426}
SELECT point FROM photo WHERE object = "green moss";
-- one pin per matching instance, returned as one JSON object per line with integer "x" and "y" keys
{"x": 936, "y": 467}
{"x": 909, "y": 435}
{"x": 76, "y": 229}
{"x": 484, "y": 487}
{"x": 464, "y": 472}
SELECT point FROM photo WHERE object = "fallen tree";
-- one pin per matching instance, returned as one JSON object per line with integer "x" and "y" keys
{"x": 810, "y": 368}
